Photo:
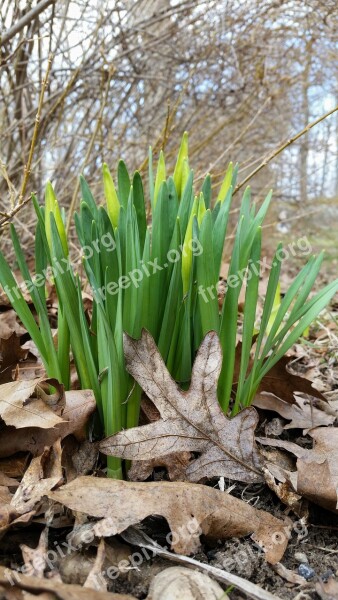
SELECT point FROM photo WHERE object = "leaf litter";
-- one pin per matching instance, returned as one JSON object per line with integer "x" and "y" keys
{"x": 316, "y": 474}
{"x": 190, "y": 510}
{"x": 202, "y": 440}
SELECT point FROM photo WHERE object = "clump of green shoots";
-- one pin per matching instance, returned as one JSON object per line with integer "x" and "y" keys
{"x": 162, "y": 277}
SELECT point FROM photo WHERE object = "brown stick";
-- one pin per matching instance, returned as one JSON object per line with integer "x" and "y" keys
{"x": 27, "y": 171}
{"x": 286, "y": 144}
{"x": 26, "y": 19}
{"x": 28, "y": 166}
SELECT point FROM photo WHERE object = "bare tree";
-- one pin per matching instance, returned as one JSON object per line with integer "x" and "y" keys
{"x": 241, "y": 76}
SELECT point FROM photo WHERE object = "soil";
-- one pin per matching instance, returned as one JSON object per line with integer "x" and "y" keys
{"x": 317, "y": 541}
{"x": 312, "y": 550}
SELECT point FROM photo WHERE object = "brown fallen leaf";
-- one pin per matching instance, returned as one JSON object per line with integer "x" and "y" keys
{"x": 283, "y": 490}
{"x": 5, "y": 517}
{"x": 190, "y": 510}
{"x": 5, "y": 500}
{"x": 192, "y": 421}
{"x": 7, "y": 481}
{"x": 176, "y": 465}
{"x": 9, "y": 325}
{"x": 79, "y": 458}
{"x": 14, "y": 466}
{"x": 176, "y": 583}
{"x": 327, "y": 590}
{"x": 317, "y": 470}
{"x": 316, "y": 477}
{"x": 95, "y": 580}
{"x": 28, "y": 369}
{"x": 280, "y": 382}
{"x": 80, "y": 404}
{"x": 11, "y": 520}
{"x": 17, "y": 407}
{"x": 11, "y": 353}
{"x": 43, "y": 473}
{"x": 302, "y": 415}
{"x": 12, "y": 580}
{"x": 35, "y": 559}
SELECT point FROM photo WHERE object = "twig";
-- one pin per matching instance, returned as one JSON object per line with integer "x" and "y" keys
{"x": 290, "y": 141}
{"x": 59, "y": 100}
{"x": 89, "y": 149}
{"x": 11, "y": 188}
{"x": 25, "y": 20}
{"x": 7, "y": 217}
{"x": 21, "y": 201}
{"x": 238, "y": 138}
{"x": 28, "y": 166}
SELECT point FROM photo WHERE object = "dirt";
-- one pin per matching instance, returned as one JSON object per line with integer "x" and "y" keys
{"x": 317, "y": 540}
{"x": 314, "y": 545}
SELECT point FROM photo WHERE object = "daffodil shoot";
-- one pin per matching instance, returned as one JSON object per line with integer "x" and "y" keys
{"x": 152, "y": 254}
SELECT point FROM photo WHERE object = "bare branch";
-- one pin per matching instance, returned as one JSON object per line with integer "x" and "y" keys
{"x": 25, "y": 20}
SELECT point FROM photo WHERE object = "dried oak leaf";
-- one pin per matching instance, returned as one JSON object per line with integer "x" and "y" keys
{"x": 26, "y": 404}
{"x": 176, "y": 465}
{"x": 43, "y": 473}
{"x": 280, "y": 382}
{"x": 316, "y": 477}
{"x": 190, "y": 510}
{"x": 302, "y": 415}
{"x": 35, "y": 559}
{"x": 80, "y": 404}
{"x": 191, "y": 421}
{"x": 9, "y": 325}
{"x": 11, "y": 352}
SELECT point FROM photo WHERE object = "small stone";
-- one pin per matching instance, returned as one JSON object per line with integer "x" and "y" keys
{"x": 301, "y": 557}
{"x": 327, "y": 575}
{"x": 305, "y": 571}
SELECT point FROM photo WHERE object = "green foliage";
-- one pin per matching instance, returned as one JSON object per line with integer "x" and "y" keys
{"x": 164, "y": 278}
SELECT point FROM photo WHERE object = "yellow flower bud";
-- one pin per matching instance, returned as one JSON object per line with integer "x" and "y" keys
{"x": 113, "y": 204}
{"x": 52, "y": 206}
{"x": 187, "y": 248}
{"x": 226, "y": 184}
{"x": 182, "y": 156}
{"x": 201, "y": 209}
{"x": 160, "y": 176}
{"x": 185, "y": 176}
